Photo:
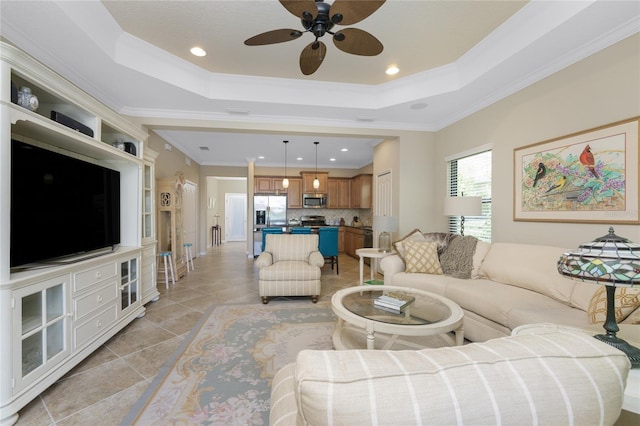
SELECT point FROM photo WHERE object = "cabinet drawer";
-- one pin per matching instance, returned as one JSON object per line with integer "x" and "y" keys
{"x": 90, "y": 330}
{"x": 89, "y": 303}
{"x": 91, "y": 276}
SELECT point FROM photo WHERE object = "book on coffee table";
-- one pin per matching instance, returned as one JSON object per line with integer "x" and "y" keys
{"x": 394, "y": 301}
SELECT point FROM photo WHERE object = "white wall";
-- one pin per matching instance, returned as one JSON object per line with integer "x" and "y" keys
{"x": 599, "y": 90}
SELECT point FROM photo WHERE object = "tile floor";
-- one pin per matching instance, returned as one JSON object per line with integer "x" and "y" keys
{"x": 102, "y": 389}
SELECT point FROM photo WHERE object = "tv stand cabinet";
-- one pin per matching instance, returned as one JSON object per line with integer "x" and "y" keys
{"x": 53, "y": 317}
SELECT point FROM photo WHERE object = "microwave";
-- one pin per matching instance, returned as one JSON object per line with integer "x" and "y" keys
{"x": 314, "y": 201}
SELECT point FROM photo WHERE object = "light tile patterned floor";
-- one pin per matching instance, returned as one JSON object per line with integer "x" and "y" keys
{"x": 104, "y": 387}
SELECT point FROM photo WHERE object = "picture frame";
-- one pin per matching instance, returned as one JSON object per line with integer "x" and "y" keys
{"x": 585, "y": 177}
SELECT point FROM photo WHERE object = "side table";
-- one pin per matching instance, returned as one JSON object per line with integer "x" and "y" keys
{"x": 374, "y": 254}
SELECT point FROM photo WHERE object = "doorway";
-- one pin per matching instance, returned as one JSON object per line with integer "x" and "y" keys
{"x": 235, "y": 217}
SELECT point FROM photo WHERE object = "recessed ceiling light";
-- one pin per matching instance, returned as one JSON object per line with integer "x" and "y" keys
{"x": 198, "y": 51}
{"x": 299, "y": 158}
{"x": 344, "y": 149}
{"x": 392, "y": 70}
{"x": 261, "y": 157}
{"x": 332, "y": 159}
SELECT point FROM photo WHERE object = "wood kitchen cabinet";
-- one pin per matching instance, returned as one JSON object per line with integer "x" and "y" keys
{"x": 339, "y": 193}
{"x": 361, "y": 189}
{"x": 353, "y": 240}
{"x": 267, "y": 184}
{"x": 341, "y": 233}
{"x": 307, "y": 182}
{"x": 294, "y": 194}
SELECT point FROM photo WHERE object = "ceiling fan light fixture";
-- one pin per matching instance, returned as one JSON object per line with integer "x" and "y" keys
{"x": 319, "y": 18}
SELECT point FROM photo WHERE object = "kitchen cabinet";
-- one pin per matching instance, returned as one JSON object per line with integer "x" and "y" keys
{"x": 294, "y": 194}
{"x": 307, "y": 182}
{"x": 341, "y": 232}
{"x": 361, "y": 191}
{"x": 339, "y": 193}
{"x": 267, "y": 184}
{"x": 353, "y": 240}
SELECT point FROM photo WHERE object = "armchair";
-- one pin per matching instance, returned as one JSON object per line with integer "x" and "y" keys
{"x": 290, "y": 266}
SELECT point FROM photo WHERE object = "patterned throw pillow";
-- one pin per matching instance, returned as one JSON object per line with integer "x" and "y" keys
{"x": 422, "y": 257}
{"x": 626, "y": 301}
{"x": 442, "y": 238}
{"x": 414, "y": 235}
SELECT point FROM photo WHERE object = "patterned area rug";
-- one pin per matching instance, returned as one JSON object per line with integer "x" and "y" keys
{"x": 221, "y": 374}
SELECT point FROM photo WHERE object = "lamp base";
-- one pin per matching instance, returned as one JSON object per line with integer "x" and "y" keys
{"x": 631, "y": 351}
{"x": 384, "y": 242}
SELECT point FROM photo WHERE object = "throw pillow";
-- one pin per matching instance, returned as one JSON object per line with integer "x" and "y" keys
{"x": 457, "y": 259}
{"x": 442, "y": 238}
{"x": 626, "y": 301}
{"x": 422, "y": 257}
{"x": 414, "y": 235}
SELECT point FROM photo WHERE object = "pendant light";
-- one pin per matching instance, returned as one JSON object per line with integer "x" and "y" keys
{"x": 316, "y": 182}
{"x": 285, "y": 181}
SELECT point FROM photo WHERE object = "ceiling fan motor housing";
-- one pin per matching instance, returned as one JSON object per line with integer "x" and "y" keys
{"x": 322, "y": 23}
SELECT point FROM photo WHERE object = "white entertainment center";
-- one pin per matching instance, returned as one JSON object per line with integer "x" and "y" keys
{"x": 53, "y": 317}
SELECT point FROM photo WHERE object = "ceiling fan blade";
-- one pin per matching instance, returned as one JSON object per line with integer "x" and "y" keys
{"x": 312, "y": 56}
{"x": 271, "y": 37}
{"x": 357, "y": 42}
{"x": 349, "y": 12}
{"x": 303, "y": 9}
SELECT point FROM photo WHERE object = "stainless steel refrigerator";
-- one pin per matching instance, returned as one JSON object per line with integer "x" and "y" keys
{"x": 268, "y": 210}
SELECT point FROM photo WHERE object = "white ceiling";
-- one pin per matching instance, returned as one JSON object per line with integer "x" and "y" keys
{"x": 455, "y": 58}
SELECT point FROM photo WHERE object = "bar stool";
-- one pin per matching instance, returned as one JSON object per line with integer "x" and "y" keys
{"x": 164, "y": 255}
{"x": 189, "y": 256}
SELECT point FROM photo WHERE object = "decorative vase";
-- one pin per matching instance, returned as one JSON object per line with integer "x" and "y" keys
{"x": 27, "y": 99}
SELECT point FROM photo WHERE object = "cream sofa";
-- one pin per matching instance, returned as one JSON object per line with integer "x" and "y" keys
{"x": 515, "y": 284}
{"x": 545, "y": 375}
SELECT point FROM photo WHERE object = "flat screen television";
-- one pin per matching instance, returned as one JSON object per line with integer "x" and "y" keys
{"x": 62, "y": 208}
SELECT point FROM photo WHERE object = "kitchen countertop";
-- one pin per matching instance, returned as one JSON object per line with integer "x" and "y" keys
{"x": 287, "y": 229}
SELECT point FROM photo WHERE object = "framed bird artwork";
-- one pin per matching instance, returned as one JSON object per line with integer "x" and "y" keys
{"x": 589, "y": 176}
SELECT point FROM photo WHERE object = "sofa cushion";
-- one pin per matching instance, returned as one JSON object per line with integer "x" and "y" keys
{"x": 528, "y": 266}
{"x": 422, "y": 257}
{"x": 291, "y": 246}
{"x": 427, "y": 282}
{"x": 290, "y": 270}
{"x": 496, "y": 301}
{"x": 626, "y": 301}
{"x": 482, "y": 248}
{"x": 553, "y": 378}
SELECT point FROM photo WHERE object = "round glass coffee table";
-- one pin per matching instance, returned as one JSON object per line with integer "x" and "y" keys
{"x": 425, "y": 322}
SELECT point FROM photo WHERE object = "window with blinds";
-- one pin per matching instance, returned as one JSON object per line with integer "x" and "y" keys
{"x": 469, "y": 174}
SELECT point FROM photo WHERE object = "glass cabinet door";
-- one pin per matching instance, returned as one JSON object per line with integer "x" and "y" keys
{"x": 129, "y": 282}
{"x": 43, "y": 334}
{"x": 147, "y": 203}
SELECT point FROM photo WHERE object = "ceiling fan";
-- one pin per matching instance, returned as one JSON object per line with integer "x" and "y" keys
{"x": 319, "y": 18}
